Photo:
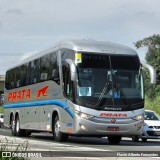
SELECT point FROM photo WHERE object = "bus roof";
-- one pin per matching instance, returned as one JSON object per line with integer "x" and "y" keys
{"x": 97, "y": 46}
{"x": 85, "y": 46}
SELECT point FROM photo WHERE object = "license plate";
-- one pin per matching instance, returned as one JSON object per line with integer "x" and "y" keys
{"x": 112, "y": 128}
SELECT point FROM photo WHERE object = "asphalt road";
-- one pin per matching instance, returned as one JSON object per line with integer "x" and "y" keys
{"x": 80, "y": 147}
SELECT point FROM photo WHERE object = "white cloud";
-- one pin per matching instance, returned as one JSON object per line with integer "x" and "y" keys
{"x": 36, "y": 24}
{"x": 15, "y": 11}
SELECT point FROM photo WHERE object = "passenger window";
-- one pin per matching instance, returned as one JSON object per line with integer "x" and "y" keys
{"x": 54, "y": 69}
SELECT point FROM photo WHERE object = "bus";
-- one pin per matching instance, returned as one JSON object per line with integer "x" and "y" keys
{"x": 77, "y": 88}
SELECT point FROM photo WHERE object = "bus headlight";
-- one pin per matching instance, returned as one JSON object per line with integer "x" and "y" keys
{"x": 138, "y": 117}
{"x": 85, "y": 116}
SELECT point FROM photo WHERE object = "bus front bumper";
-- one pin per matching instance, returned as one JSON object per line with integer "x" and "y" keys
{"x": 104, "y": 127}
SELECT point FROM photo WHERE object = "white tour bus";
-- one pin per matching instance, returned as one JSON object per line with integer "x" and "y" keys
{"x": 79, "y": 88}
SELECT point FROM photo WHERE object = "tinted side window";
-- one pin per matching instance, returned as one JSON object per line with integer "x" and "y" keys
{"x": 38, "y": 70}
{"x": 49, "y": 69}
{"x": 23, "y": 75}
{"x": 67, "y": 54}
{"x": 44, "y": 67}
{"x": 18, "y": 77}
{"x": 12, "y": 79}
{"x": 54, "y": 67}
{"x": 28, "y": 70}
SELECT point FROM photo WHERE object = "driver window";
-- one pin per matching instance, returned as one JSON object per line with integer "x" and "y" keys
{"x": 68, "y": 87}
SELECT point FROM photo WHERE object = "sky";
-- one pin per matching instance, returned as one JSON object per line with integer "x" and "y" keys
{"x": 29, "y": 26}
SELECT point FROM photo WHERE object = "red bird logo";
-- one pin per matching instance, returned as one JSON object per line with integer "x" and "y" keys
{"x": 42, "y": 92}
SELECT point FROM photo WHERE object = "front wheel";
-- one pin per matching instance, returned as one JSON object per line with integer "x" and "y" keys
{"x": 57, "y": 134}
{"x": 114, "y": 139}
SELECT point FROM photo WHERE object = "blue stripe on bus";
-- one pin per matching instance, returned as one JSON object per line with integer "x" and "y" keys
{"x": 40, "y": 103}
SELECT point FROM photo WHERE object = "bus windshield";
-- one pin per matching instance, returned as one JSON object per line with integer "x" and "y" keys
{"x": 107, "y": 81}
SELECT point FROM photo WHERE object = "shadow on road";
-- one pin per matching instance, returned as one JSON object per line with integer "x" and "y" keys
{"x": 97, "y": 141}
{"x": 83, "y": 140}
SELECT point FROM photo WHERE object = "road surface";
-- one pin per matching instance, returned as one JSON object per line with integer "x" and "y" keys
{"x": 80, "y": 147}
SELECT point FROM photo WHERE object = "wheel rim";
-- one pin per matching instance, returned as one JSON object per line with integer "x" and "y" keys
{"x": 57, "y": 128}
{"x": 17, "y": 126}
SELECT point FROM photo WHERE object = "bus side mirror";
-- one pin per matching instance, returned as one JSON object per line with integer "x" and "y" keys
{"x": 73, "y": 70}
{"x": 152, "y": 72}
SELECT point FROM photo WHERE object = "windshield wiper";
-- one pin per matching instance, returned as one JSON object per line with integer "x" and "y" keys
{"x": 102, "y": 94}
{"x": 105, "y": 87}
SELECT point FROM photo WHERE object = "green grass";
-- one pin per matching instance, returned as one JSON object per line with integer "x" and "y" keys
{"x": 1, "y": 109}
{"x": 153, "y": 105}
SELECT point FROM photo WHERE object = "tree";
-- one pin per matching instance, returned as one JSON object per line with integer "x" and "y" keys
{"x": 152, "y": 44}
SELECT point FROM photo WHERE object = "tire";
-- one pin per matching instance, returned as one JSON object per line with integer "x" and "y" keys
{"x": 114, "y": 139}
{"x": 13, "y": 128}
{"x": 19, "y": 132}
{"x": 144, "y": 139}
{"x": 135, "y": 139}
{"x": 57, "y": 134}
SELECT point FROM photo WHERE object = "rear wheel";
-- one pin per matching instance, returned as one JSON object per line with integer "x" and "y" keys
{"x": 135, "y": 139}
{"x": 114, "y": 139}
{"x": 13, "y": 128}
{"x": 19, "y": 132}
{"x": 57, "y": 134}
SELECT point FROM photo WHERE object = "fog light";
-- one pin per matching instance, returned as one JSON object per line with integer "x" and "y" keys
{"x": 83, "y": 126}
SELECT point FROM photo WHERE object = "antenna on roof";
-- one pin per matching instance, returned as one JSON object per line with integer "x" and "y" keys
{"x": 89, "y": 38}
